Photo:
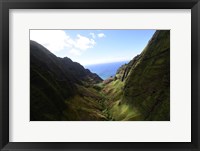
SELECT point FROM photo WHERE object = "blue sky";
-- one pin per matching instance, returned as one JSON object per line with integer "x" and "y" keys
{"x": 93, "y": 46}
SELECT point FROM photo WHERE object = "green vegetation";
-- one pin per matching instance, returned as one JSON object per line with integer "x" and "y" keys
{"x": 140, "y": 90}
{"x": 147, "y": 87}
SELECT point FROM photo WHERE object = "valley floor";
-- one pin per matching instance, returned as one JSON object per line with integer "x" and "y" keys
{"x": 101, "y": 102}
{"x": 89, "y": 105}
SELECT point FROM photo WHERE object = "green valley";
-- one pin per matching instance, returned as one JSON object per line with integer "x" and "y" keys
{"x": 63, "y": 90}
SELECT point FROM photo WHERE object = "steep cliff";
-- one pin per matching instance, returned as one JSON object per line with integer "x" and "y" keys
{"x": 54, "y": 80}
{"x": 141, "y": 89}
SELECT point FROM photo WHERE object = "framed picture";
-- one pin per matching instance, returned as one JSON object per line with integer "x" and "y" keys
{"x": 91, "y": 75}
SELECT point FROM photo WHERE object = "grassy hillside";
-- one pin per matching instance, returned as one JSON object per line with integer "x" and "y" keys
{"x": 54, "y": 82}
{"x": 144, "y": 83}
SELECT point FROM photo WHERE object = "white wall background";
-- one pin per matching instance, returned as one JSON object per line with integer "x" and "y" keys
{"x": 176, "y": 130}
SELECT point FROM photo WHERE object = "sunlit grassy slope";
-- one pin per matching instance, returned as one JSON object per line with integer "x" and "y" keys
{"x": 141, "y": 89}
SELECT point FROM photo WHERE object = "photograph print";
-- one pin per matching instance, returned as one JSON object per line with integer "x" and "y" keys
{"x": 99, "y": 75}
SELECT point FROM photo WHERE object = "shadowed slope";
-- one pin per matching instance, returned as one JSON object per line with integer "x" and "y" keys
{"x": 52, "y": 81}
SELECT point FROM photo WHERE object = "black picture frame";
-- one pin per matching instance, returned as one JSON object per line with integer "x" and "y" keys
{"x": 5, "y": 5}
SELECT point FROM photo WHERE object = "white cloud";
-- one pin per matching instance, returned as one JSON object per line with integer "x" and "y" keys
{"x": 75, "y": 52}
{"x": 93, "y": 35}
{"x": 101, "y": 35}
{"x": 57, "y": 40}
{"x": 84, "y": 43}
{"x": 54, "y": 40}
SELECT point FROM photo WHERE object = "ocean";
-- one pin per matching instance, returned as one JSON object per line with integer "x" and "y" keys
{"x": 105, "y": 70}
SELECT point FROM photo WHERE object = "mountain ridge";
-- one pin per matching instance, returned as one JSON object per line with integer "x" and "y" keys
{"x": 53, "y": 80}
{"x": 144, "y": 83}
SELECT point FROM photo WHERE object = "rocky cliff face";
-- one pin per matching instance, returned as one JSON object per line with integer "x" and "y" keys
{"x": 52, "y": 81}
{"x": 147, "y": 86}
{"x": 144, "y": 82}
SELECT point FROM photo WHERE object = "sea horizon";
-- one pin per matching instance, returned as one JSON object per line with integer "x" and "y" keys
{"x": 103, "y": 62}
{"x": 105, "y": 70}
